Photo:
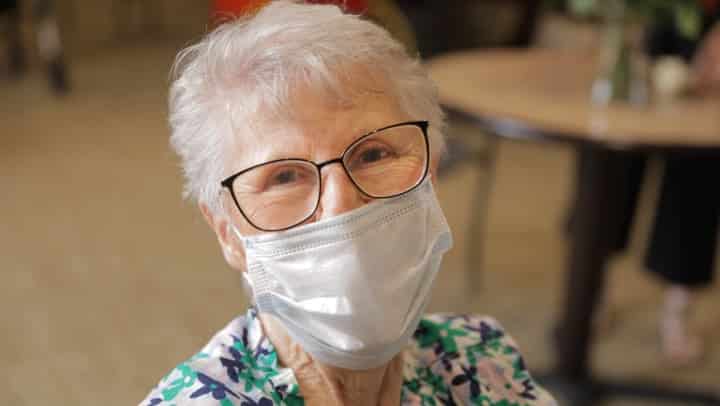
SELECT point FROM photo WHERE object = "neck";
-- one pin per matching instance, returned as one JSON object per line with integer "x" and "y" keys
{"x": 322, "y": 384}
{"x": 347, "y": 387}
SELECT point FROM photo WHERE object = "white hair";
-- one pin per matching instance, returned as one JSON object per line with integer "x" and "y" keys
{"x": 254, "y": 63}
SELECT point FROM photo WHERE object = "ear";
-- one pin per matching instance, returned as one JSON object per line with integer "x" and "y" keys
{"x": 229, "y": 242}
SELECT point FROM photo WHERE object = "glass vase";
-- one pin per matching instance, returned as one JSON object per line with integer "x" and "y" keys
{"x": 622, "y": 74}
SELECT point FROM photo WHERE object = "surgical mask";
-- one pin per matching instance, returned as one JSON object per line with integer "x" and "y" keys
{"x": 351, "y": 289}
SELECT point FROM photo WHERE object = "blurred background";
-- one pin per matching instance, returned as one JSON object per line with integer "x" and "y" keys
{"x": 111, "y": 279}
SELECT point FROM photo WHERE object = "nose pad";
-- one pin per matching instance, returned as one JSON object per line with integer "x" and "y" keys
{"x": 339, "y": 194}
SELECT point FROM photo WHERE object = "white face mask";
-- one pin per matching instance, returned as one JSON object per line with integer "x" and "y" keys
{"x": 351, "y": 289}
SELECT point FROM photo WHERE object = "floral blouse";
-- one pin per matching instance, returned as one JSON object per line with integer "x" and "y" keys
{"x": 452, "y": 360}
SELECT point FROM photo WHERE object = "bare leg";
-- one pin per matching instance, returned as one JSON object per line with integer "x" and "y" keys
{"x": 679, "y": 347}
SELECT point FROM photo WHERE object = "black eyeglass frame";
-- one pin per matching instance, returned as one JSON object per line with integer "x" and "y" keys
{"x": 423, "y": 125}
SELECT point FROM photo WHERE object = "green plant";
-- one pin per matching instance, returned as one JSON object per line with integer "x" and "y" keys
{"x": 685, "y": 14}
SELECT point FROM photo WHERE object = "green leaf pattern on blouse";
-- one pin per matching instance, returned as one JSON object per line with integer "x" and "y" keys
{"x": 451, "y": 360}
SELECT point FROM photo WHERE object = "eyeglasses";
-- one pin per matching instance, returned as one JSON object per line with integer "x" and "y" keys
{"x": 281, "y": 194}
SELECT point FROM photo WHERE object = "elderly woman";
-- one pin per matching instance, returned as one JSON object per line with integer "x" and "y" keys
{"x": 310, "y": 141}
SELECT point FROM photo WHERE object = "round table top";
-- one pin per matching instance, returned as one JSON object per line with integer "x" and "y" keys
{"x": 546, "y": 93}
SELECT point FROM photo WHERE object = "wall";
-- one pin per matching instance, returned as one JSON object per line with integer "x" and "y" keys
{"x": 90, "y": 25}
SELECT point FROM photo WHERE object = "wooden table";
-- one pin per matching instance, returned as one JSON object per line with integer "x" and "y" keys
{"x": 545, "y": 95}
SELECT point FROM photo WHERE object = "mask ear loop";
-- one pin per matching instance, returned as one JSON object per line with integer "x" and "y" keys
{"x": 235, "y": 237}
{"x": 246, "y": 282}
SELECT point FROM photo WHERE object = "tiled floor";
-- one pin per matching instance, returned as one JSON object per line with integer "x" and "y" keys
{"x": 110, "y": 279}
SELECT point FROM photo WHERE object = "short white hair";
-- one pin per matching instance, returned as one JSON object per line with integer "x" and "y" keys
{"x": 258, "y": 60}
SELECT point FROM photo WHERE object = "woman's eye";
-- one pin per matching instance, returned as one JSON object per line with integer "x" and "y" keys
{"x": 284, "y": 177}
{"x": 372, "y": 155}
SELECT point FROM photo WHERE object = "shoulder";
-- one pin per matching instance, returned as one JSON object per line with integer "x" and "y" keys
{"x": 229, "y": 370}
{"x": 477, "y": 360}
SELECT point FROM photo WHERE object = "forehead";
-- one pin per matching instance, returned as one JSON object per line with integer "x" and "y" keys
{"x": 318, "y": 128}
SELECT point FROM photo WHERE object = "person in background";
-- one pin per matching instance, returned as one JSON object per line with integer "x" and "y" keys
{"x": 707, "y": 62}
{"x": 310, "y": 140}
{"x": 683, "y": 240}
{"x": 48, "y": 42}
